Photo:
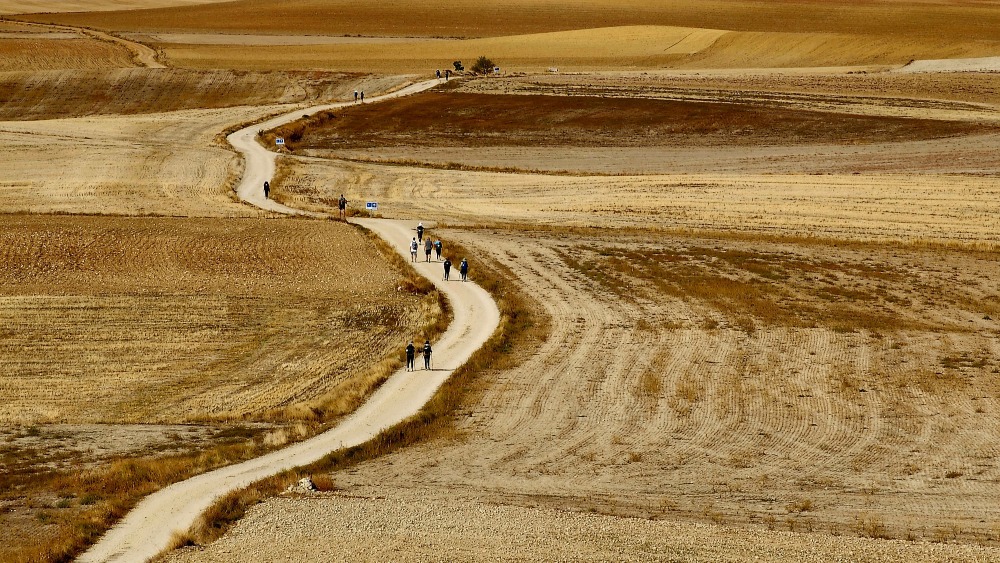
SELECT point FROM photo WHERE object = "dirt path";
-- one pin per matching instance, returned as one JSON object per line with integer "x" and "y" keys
{"x": 260, "y": 161}
{"x": 149, "y": 528}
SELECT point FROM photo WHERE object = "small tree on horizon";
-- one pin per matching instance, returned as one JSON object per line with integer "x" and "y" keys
{"x": 483, "y": 65}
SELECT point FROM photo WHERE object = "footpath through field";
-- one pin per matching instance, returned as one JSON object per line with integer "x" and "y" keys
{"x": 150, "y": 527}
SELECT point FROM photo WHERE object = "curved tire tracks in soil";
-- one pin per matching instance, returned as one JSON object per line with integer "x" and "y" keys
{"x": 151, "y": 526}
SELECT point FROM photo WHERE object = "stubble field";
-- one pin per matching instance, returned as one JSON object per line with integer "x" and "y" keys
{"x": 222, "y": 335}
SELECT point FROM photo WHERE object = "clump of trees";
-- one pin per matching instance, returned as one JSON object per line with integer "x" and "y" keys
{"x": 483, "y": 65}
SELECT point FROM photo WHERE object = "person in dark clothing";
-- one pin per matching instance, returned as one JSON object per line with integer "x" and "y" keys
{"x": 447, "y": 268}
{"x": 410, "y": 351}
{"x": 342, "y": 205}
{"x": 464, "y": 269}
{"x": 362, "y": 96}
{"x": 437, "y": 248}
{"x": 427, "y": 354}
{"x": 420, "y": 232}
{"x": 355, "y": 96}
{"x": 428, "y": 245}
{"x": 267, "y": 189}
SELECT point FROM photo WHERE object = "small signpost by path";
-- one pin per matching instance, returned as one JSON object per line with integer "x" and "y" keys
{"x": 279, "y": 141}
{"x": 371, "y": 205}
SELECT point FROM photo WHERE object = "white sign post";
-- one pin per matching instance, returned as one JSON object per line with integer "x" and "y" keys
{"x": 371, "y": 205}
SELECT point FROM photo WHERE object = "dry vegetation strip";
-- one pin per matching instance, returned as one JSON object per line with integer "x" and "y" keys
{"x": 116, "y": 319}
{"x": 439, "y": 119}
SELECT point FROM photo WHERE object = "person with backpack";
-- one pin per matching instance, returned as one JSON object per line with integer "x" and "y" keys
{"x": 342, "y": 205}
{"x": 420, "y": 232}
{"x": 447, "y": 268}
{"x": 427, "y": 354}
{"x": 437, "y": 249}
{"x": 464, "y": 269}
{"x": 427, "y": 248}
{"x": 413, "y": 250}
{"x": 267, "y": 189}
{"x": 410, "y": 352}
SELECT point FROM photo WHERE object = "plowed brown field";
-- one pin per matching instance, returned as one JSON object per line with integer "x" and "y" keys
{"x": 443, "y": 119}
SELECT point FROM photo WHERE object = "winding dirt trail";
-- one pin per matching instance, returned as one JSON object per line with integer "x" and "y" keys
{"x": 149, "y": 528}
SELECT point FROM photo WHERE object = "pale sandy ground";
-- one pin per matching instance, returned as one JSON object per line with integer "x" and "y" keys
{"x": 980, "y": 64}
{"x": 409, "y": 526}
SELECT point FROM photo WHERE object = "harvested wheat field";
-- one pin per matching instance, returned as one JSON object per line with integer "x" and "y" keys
{"x": 217, "y": 335}
{"x": 62, "y": 52}
{"x": 190, "y": 317}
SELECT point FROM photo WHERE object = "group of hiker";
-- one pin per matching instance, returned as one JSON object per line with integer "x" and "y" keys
{"x": 463, "y": 268}
{"x": 411, "y": 350}
{"x": 436, "y": 246}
